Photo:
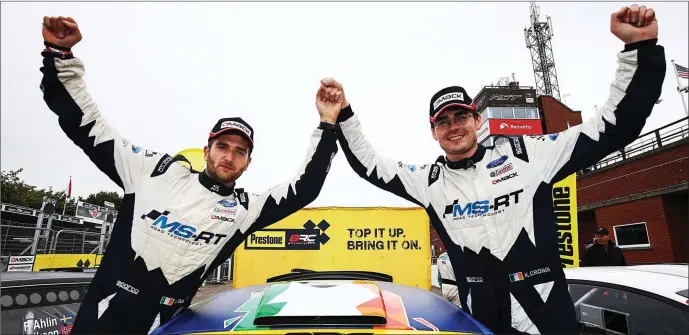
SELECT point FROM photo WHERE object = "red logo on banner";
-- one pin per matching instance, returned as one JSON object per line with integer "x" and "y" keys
{"x": 515, "y": 127}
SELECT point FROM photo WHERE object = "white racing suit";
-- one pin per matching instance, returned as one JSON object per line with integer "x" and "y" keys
{"x": 494, "y": 211}
{"x": 175, "y": 225}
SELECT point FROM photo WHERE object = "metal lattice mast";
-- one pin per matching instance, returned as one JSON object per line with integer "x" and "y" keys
{"x": 538, "y": 37}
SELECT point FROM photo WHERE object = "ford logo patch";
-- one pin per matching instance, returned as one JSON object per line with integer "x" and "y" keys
{"x": 497, "y": 162}
{"x": 226, "y": 203}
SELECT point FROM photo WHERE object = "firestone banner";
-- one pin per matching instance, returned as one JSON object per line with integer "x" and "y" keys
{"x": 565, "y": 208}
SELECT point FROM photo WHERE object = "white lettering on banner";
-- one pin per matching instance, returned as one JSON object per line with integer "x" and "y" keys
{"x": 503, "y": 97}
{"x": 127, "y": 287}
{"x": 233, "y": 124}
{"x": 448, "y": 97}
{"x": 512, "y": 126}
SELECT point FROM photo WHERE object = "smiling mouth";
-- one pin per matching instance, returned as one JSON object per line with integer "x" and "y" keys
{"x": 456, "y": 137}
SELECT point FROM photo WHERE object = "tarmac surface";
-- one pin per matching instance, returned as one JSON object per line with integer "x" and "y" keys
{"x": 210, "y": 290}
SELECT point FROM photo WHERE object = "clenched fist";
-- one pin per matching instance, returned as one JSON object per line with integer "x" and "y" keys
{"x": 329, "y": 103}
{"x": 634, "y": 23}
{"x": 62, "y": 31}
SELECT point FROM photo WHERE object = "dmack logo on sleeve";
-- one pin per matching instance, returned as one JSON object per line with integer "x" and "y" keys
{"x": 482, "y": 208}
{"x": 179, "y": 231}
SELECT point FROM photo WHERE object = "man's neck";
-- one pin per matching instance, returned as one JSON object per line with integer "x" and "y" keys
{"x": 456, "y": 157}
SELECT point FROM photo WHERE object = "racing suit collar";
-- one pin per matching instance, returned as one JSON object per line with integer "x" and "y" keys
{"x": 466, "y": 162}
{"x": 214, "y": 186}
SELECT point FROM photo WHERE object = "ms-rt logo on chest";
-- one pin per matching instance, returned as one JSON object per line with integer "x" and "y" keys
{"x": 187, "y": 233}
{"x": 482, "y": 208}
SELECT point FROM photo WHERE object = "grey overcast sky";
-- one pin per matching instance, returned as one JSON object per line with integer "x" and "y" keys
{"x": 163, "y": 73}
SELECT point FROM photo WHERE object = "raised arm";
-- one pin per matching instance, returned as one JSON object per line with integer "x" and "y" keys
{"x": 284, "y": 199}
{"x": 633, "y": 94}
{"x": 407, "y": 181}
{"x": 65, "y": 93}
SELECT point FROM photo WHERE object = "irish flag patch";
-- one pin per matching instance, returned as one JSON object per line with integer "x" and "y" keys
{"x": 167, "y": 301}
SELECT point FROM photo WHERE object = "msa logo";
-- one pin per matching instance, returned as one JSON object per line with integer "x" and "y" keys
{"x": 501, "y": 170}
{"x": 129, "y": 288}
{"x": 179, "y": 231}
{"x": 482, "y": 208}
{"x": 510, "y": 176}
{"x": 237, "y": 125}
{"x": 448, "y": 97}
{"x": 505, "y": 97}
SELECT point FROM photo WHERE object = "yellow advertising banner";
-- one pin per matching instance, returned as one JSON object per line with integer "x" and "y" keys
{"x": 394, "y": 241}
{"x": 565, "y": 208}
{"x": 66, "y": 261}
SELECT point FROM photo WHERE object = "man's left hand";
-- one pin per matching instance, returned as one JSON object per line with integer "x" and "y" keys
{"x": 634, "y": 23}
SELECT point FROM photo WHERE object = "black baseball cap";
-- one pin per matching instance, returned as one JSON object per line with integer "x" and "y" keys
{"x": 233, "y": 125}
{"x": 454, "y": 97}
{"x": 602, "y": 231}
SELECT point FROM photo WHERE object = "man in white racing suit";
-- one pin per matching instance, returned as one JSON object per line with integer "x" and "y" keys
{"x": 446, "y": 276}
{"x": 175, "y": 224}
{"x": 493, "y": 206}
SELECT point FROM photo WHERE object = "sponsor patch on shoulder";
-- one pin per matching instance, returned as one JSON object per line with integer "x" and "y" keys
{"x": 553, "y": 137}
{"x": 227, "y": 203}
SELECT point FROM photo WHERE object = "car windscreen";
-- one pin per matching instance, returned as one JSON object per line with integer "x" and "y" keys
{"x": 40, "y": 309}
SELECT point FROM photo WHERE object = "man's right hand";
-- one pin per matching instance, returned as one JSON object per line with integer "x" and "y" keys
{"x": 61, "y": 31}
{"x": 329, "y": 85}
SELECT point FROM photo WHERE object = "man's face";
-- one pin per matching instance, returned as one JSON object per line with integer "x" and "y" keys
{"x": 456, "y": 131}
{"x": 601, "y": 239}
{"x": 227, "y": 158}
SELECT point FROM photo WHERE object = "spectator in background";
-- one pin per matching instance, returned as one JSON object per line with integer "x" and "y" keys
{"x": 446, "y": 279}
{"x": 603, "y": 251}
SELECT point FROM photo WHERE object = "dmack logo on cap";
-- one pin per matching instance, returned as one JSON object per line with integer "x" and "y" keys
{"x": 448, "y": 97}
{"x": 233, "y": 124}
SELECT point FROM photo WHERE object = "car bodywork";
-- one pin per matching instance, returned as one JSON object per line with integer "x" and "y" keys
{"x": 324, "y": 302}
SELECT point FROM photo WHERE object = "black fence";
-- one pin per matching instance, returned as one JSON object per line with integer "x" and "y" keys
{"x": 650, "y": 141}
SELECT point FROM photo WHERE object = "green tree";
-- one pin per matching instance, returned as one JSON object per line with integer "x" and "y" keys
{"x": 16, "y": 191}
{"x": 102, "y": 196}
